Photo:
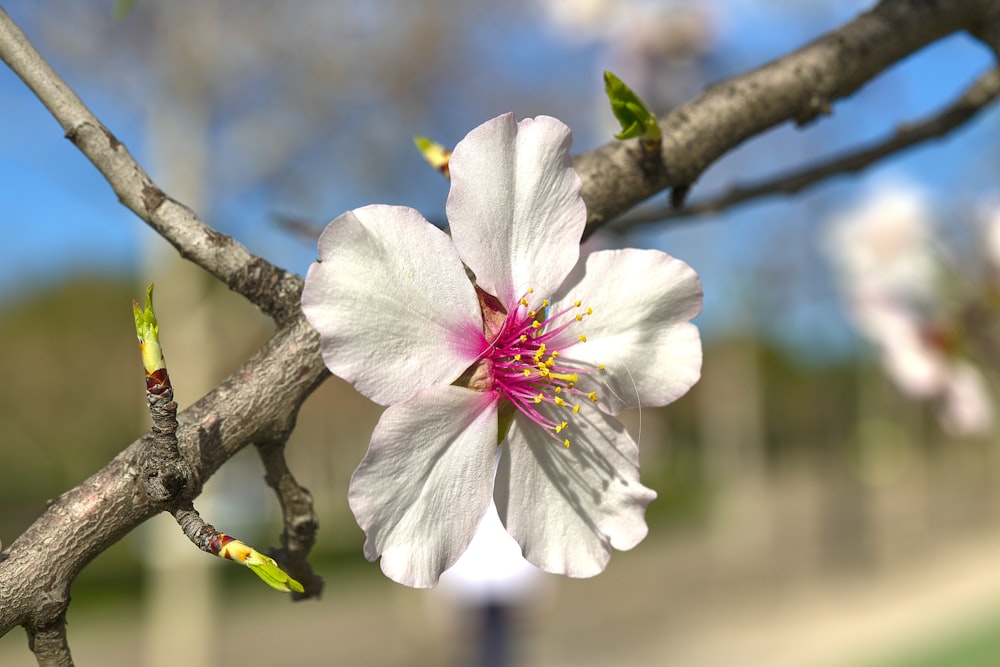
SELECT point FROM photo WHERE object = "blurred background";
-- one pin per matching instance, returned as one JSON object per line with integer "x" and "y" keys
{"x": 827, "y": 493}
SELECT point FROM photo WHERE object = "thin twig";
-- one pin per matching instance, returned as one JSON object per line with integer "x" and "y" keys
{"x": 270, "y": 288}
{"x": 261, "y": 399}
{"x": 975, "y": 98}
{"x": 798, "y": 87}
{"x": 49, "y": 644}
{"x": 299, "y": 516}
{"x": 166, "y": 474}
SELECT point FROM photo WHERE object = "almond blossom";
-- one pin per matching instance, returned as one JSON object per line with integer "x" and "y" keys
{"x": 893, "y": 276}
{"x": 503, "y": 357}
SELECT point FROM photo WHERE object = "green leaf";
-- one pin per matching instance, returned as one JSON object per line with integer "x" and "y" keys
{"x": 636, "y": 120}
{"x": 123, "y": 8}
{"x": 148, "y": 332}
{"x": 272, "y": 575}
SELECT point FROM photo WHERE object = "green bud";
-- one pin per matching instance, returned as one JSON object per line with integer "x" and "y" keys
{"x": 636, "y": 120}
{"x": 436, "y": 154}
{"x": 272, "y": 575}
{"x": 148, "y": 333}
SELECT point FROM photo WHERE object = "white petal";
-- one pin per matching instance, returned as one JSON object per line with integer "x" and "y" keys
{"x": 567, "y": 507}
{"x": 515, "y": 208}
{"x": 392, "y": 303}
{"x": 966, "y": 408}
{"x": 642, "y": 301}
{"x": 426, "y": 481}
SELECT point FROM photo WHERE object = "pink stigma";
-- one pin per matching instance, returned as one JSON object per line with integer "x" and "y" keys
{"x": 526, "y": 363}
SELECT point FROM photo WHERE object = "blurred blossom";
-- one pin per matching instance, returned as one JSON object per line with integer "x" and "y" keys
{"x": 966, "y": 408}
{"x": 893, "y": 279}
{"x": 884, "y": 248}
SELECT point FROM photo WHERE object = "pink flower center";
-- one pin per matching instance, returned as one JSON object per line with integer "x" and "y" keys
{"x": 524, "y": 363}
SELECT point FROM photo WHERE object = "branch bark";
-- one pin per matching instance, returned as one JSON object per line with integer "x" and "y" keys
{"x": 40, "y": 565}
{"x": 273, "y": 290}
{"x": 978, "y": 96}
{"x": 798, "y": 87}
{"x": 258, "y": 403}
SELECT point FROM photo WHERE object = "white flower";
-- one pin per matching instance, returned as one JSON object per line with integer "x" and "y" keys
{"x": 891, "y": 276}
{"x": 539, "y": 353}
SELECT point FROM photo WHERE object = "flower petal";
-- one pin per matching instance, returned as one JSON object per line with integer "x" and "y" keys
{"x": 642, "y": 301}
{"x": 515, "y": 208}
{"x": 426, "y": 481}
{"x": 392, "y": 303}
{"x": 567, "y": 507}
{"x": 965, "y": 408}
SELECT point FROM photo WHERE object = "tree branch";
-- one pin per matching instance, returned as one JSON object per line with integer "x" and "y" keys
{"x": 259, "y": 402}
{"x": 40, "y": 565}
{"x": 798, "y": 87}
{"x": 299, "y": 517}
{"x": 271, "y": 289}
{"x": 975, "y": 98}
{"x": 49, "y": 644}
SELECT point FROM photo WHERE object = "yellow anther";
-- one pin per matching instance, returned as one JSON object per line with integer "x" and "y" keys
{"x": 539, "y": 398}
{"x": 527, "y": 372}
{"x": 536, "y": 325}
{"x": 558, "y": 390}
{"x": 555, "y": 353}
{"x": 545, "y": 303}
{"x": 561, "y": 403}
{"x": 524, "y": 302}
{"x": 579, "y": 318}
{"x": 583, "y": 339}
{"x": 531, "y": 313}
{"x": 566, "y": 442}
{"x": 531, "y": 290}
{"x": 517, "y": 357}
{"x": 559, "y": 427}
{"x": 600, "y": 367}
{"x": 576, "y": 409}
{"x": 577, "y": 303}
{"x": 524, "y": 338}
{"x": 592, "y": 396}
{"x": 590, "y": 311}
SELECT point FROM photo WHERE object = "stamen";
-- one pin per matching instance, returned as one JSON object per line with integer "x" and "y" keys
{"x": 526, "y": 361}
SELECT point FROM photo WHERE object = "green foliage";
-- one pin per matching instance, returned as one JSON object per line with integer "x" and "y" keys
{"x": 636, "y": 120}
{"x": 148, "y": 332}
{"x": 123, "y": 8}
{"x": 272, "y": 575}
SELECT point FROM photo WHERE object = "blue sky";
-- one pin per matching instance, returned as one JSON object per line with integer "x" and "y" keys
{"x": 64, "y": 219}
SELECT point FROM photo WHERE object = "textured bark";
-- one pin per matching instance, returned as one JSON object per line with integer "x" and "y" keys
{"x": 259, "y": 402}
{"x": 798, "y": 87}
{"x": 977, "y": 97}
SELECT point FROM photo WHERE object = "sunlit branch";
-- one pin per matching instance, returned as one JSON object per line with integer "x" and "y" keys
{"x": 258, "y": 402}
{"x": 271, "y": 289}
{"x": 299, "y": 517}
{"x": 49, "y": 644}
{"x": 798, "y": 88}
{"x": 975, "y": 98}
